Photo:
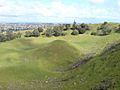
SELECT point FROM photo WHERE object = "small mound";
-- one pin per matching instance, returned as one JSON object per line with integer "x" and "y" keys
{"x": 58, "y": 52}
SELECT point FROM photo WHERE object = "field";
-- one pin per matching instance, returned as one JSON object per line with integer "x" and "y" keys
{"x": 41, "y": 63}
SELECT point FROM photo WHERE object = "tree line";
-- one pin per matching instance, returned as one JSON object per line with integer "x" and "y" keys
{"x": 9, "y": 36}
{"x": 102, "y": 30}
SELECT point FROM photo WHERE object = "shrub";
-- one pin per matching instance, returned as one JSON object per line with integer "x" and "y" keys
{"x": 117, "y": 30}
{"x": 28, "y": 34}
{"x": 40, "y": 29}
{"x": 57, "y": 32}
{"x": 66, "y": 27}
{"x": 35, "y": 33}
{"x": 85, "y": 26}
{"x": 104, "y": 29}
{"x": 2, "y": 38}
{"x": 49, "y": 32}
{"x": 75, "y": 32}
{"x": 93, "y": 33}
{"x": 18, "y": 35}
{"x": 10, "y": 36}
{"x": 82, "y": 28}
{"x": 82, "y": 31}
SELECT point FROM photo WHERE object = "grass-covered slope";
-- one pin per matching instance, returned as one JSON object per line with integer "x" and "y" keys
{"x": 101, "y": 73}
{"x": 58, "y": 53}
{"x": 39, "y": 63}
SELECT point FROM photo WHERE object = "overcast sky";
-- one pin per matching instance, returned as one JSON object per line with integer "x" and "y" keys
{"x": 59, "y": 10}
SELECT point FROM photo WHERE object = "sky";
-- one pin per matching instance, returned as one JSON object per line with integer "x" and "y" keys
{"x": 60, "y": 11}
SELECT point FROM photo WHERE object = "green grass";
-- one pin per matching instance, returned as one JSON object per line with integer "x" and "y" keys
{"x": 36, "y": 63}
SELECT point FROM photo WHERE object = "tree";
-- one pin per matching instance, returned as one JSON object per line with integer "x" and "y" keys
{"x": 82, "y": 28}
{"x": 75, "y": 32}
{"x": 74, "y": 26}
{"x": 2, "y": 38}
{"x": 93, "y": 33}
{"x": 66, "y": 27}
{"x": 10, "y": 36}
{"x": 85, "y": 26}
{"x": 28, "y": 34}
{"x": 49, "y": 32}
{"x": 118, "y": 29}
{"x": 18, "y": 35}
{"x": 57, "y": 31}
{"x": 104, "y": 29}
{"x": 35, "y": 33}
{"x": 40, "y": 29}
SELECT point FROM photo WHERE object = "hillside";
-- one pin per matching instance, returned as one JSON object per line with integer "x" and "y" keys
{"x": 44, "y": 63}
{"x": 100, "y": 73}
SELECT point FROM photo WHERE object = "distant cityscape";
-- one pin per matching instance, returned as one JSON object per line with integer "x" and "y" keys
{"x": 23, "y": 26}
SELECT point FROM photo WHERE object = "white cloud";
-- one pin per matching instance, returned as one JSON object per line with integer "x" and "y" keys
{"x": 98, "y": 1}
{"x": 118, "y": 3}
{"x": 55, "y": 9}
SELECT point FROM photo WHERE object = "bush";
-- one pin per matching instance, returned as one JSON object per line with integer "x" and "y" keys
{"x": 75, "y": 32}
{"x": 40, "y": 29}
{"x": 117, "y": 30}
{"x": 10, "y": 36}
{"x": 82, "y": 28}
{"x": 85, "y": 26}
{"x": 28, "y": 34}
{"x": 66, "y": 27}
{"x": 104, "y": 29}
{"x": 18, "y": 35}
{"x": 82, "y": 31}
{"x": 2, "y": 38}
{"x": 57, "y": 32}
{"x": 49, "y": 32}
{"x": 35, "y": 33}
{"x": 93, "y": 33}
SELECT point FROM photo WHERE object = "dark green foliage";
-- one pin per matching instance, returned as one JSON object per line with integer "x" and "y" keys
{"x": 85, "y": 26}
{"x": 28, "y": 34}
{"x": 117, "y": 30}
{"x": 35, "y": 33}
{"x": 74, "y": 26}
{"x": 40, "y": 29}
{"x": 75, "y": 32}
{"x": 82, "y": 31}
{"x": 10, "y": 36}
{"x": 82, "y": 28}
{"x": 2, "y": 38}
{"x": 18, "y": 35}
{"x": 66, "y": 27}
{"x": 49, "y": 32}
{"x": 93, "y": 33}
{"x": 56, "y": 31}
{"x": 104, "y": 29}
